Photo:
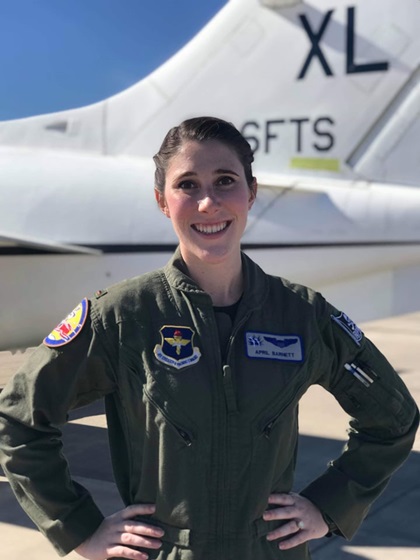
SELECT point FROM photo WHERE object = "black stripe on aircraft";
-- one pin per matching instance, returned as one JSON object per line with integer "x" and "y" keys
{"x": 170, "y": 248}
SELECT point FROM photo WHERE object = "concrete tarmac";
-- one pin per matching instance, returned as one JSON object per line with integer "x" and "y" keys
{"x": 390, "y": 532}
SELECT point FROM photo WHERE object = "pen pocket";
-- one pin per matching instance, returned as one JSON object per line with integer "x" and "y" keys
{"x": 371, "y": 400}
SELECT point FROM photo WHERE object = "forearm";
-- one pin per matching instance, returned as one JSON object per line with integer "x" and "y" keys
{"x": 32, "y": 406}
{"x": 355, "y": 480}
{"x": 38, "y": 473}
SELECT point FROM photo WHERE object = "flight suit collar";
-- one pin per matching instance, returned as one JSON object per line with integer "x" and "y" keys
{"x": 255, "y": 280}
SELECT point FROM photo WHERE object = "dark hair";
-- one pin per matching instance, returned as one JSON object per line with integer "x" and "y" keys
{"x": 200, "y": 129}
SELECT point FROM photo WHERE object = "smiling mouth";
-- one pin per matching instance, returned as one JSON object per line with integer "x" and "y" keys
{"x": 208, "y": 229}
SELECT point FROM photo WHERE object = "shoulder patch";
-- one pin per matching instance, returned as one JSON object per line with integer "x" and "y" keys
{"x": 69, "y": 328}
{"x": 348, "y": 327}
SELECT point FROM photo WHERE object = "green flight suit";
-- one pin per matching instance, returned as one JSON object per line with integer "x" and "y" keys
{"x": 206, "y": 441}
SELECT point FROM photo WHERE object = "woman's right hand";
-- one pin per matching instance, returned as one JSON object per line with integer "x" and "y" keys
{"x": 118, "y": 532}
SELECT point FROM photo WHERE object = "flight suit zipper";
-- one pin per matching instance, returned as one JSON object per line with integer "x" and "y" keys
{"x": 269, "y": 425}
{"x": 221, "y": 446}
{"x": 229, "y": 410}
{"x": 266, "y": 431}
{"x": 225, "y": 408}
{"x": 186, "y": 437}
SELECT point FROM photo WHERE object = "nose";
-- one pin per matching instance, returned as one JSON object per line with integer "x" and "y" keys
{"x": 209, "y": 202}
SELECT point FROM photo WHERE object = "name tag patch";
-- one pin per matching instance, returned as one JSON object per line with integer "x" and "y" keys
{"x": 270, "y": 346}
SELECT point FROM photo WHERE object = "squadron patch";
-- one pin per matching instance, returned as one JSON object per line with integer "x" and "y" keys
{"x": 69, "y": 328}
{"x": 270, "y": 346}
{"x": 177, "y": 348}
{"x": 348, "y": 327}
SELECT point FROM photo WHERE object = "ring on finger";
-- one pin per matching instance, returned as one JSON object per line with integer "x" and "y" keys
{"x": 301, "y": 525}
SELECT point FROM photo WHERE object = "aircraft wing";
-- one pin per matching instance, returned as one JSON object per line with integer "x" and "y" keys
{"x": 45, "y": 245}
{"x": 282, "y": 181}
{"x": 336, "y": 210}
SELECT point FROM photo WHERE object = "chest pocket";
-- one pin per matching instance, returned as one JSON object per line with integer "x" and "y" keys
{"x": 174, "y": 458}
{"x": 167, "y": 412}
{"x": 274, "y": 446}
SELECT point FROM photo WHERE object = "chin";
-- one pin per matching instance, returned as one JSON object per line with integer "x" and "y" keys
{"x": 211, "y": 252}
{"x": 216, "y": 255}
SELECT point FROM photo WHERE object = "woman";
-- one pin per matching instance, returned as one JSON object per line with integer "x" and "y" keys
{"x": 202, "y": 365}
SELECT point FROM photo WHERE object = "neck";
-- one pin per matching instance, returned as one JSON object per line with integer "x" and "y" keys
{"x": 224, "y": 283}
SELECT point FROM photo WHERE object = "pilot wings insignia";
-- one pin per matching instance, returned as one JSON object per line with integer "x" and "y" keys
{"x": 177, "y": 348}
{"x": 281, "y": 343}
{"x": 177, "y": 341}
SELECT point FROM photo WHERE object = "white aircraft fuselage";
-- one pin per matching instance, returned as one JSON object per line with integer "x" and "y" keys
{"x": 329, "y": 100}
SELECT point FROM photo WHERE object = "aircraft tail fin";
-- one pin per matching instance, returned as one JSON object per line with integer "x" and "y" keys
{"x": 325, "y": 92}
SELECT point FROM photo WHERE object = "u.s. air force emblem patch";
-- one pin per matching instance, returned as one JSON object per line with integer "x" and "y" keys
{"x": 177, "y": 348}
{"x": 69, "y": 327}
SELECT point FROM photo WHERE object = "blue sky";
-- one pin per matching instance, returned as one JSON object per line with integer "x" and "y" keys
{"x": 59, "y": 54}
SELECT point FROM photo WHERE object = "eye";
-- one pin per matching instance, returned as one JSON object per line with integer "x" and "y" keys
{"x": 186, "y": 185}
{"x": 225, "y": 181}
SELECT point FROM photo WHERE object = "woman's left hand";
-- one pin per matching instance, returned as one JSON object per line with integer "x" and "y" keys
{"x": 305, "y": 521}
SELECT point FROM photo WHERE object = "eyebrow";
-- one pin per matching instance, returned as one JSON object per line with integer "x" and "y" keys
{"x": 216, "y": 172}
{"x": 226, "y": 171}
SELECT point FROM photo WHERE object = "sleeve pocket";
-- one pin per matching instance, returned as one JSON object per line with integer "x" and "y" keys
{"x": 379, "y": 407}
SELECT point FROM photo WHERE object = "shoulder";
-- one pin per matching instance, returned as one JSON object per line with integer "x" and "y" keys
{"x": 278, "y": 291}
{"x": 101, "y": 313}
{"x": 122, "y": 301}
{"x": 299, "y": 294}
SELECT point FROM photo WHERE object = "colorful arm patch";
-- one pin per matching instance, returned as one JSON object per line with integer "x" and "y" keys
{"x": 69, "y": 328}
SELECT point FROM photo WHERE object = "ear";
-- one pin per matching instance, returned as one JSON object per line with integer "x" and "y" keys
{"x": 252, "y": 193}
{"x": 160, "y": 199}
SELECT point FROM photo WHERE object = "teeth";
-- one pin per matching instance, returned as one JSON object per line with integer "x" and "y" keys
{"x": 210, "y": 228}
